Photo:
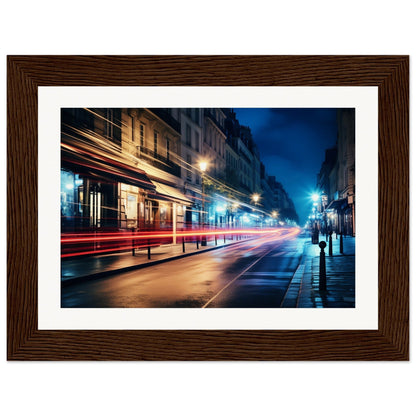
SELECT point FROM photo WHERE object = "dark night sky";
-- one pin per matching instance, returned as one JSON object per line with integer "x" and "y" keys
{"x": 292, "y": 143}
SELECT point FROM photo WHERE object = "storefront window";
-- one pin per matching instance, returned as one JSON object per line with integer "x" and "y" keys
{"x": 132, "y": 210}
{"x": 129, "y": 197}
{"x": 164, "y": 214}
{"x": 72, "y": 198}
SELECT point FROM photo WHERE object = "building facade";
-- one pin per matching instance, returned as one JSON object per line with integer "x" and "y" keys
{"x": 336, "y": 179}
{"x": 137, "y": 170}
{"x": 120, "y": 173}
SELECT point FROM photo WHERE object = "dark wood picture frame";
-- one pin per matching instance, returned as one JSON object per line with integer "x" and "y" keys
{"x": 27, "y": 73}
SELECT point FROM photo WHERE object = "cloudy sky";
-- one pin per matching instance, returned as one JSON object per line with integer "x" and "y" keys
{"x": 292, "y": 145}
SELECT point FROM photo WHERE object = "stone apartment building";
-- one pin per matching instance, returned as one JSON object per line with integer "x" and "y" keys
{"x": 120, "y": 171}
{"x": 336, "y": 179}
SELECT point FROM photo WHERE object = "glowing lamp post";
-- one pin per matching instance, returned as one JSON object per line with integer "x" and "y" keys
{"x": 255, "y": 198}
{"x": 203, "y": 167}
{"x": 274, "y": 216}
{"x": 315, "y": 230}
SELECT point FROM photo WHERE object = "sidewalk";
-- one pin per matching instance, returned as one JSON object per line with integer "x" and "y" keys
{"x": 93, "y": 267}
{"x": 304, "y": 290}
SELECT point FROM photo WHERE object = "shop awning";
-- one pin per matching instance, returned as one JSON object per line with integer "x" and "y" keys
{"x": 86, "y": 161}
{"x": 169, "y": 193}
{"x": 338, "y": 205}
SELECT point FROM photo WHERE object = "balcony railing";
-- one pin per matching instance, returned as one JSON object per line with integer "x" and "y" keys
{"x": 158, "y": 161}
{"x": 211, "y": 116}
{"x": 167, "y": 118}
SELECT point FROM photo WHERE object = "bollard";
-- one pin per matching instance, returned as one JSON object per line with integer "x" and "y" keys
{"x": 224, "y": 238}
{"x": 341, "y": 244}
{"x": 148, "y": 249}
{"x": 322, "y": 267}
{"x": 330, "y": 243}
{"x": 183, "y": 244}
{"x": 197, "y": 243}
{"x": 215, "y": 239}
{"x": 132, "y": 243}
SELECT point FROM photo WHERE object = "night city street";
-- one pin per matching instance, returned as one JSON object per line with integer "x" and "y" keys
{"x": 253, "y": 273}
{"x": 190, "y": 208}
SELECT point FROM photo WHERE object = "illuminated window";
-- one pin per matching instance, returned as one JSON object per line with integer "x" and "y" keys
{"x": 131, "y": 210}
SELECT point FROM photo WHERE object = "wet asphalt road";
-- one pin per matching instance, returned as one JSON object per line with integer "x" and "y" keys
{"x": 251, "y": 274}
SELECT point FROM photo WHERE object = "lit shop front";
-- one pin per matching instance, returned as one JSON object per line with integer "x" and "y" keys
{"x": 161, "y": 209}
{"x": 104, "y": 200}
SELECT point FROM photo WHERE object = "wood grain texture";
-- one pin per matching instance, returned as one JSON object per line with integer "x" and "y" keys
{"x": 389, "y": 73}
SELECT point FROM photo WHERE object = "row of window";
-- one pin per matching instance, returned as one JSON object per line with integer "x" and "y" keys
{"x": 189, "y": 171}
{"x": 142, "y": 140}
{"x": 217, "y": 115}
{"x": 214, "y": 141}
{"x": 194, "y": 144}
{"x": 194, "y": 114}
{"x": 231, "y": 161}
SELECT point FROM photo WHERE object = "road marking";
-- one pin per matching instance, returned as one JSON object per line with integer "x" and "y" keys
{"x": 239, "y": 275}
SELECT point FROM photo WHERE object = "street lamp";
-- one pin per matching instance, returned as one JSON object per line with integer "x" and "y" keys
{"x": 274, "y": 216}
{"x": 315, "y": 229}
{"x": 316, "y": 199}
{"x": 255, "y": 198}
{"x": 203, "y": 167}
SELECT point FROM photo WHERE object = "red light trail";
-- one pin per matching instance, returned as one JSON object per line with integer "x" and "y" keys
{"x": 80, "y": 244}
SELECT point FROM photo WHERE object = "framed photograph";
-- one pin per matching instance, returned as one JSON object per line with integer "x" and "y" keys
{"x": 208, "y": 208}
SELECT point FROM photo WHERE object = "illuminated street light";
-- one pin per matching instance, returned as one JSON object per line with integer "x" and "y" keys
{"x": 255, "y": 198}
{"x": 274, "y": 216}
{"x": 314, "y": 228}
{"x": 203, "y": 166}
